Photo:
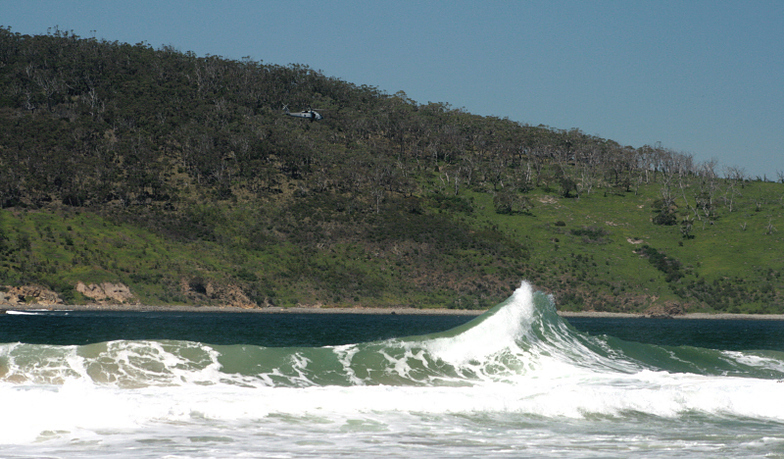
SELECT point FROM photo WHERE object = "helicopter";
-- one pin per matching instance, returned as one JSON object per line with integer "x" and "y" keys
{"x": 310, "y": 114}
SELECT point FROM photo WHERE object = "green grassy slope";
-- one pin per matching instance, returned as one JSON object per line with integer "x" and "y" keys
{"x": 587, "y": 252}
{"x": 731, "y": 262}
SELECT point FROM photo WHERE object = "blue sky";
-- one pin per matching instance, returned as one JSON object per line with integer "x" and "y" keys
{"x": 701, "y": 77}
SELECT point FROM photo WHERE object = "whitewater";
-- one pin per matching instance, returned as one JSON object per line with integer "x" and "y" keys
{"x": 518, "y": 381}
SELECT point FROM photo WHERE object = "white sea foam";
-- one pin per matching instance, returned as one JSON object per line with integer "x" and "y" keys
{"x": 77, "y": 408}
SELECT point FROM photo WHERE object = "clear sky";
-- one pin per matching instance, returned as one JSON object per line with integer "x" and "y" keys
{"x": 701, "y": 77}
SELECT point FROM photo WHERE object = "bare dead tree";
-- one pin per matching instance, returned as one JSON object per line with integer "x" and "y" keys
{"x": 734, "y": 177}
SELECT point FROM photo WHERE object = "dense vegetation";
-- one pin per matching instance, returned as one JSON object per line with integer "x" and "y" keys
{"x": 179, "y": 176}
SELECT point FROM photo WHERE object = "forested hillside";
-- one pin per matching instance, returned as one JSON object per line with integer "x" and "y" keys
{"x": 179, "y": 177}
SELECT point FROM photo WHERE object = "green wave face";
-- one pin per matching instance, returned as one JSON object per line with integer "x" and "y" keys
{"x": 517, "y": 341}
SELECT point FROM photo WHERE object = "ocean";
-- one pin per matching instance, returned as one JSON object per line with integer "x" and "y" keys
{"x": 517, "y": 381}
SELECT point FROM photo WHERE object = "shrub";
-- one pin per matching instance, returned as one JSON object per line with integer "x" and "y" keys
{"x": 669, "y": 266}
{"x": 592, "y": 234}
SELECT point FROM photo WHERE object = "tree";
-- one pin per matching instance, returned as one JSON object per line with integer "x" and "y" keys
{"x": 734, "y": 179}
{"x": 508, "y": 202}
{"x": 686, "y": 226}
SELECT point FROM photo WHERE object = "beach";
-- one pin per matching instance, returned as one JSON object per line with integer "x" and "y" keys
{"x": 363, "y": 310}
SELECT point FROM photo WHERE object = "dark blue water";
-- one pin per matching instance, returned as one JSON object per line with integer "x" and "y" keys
{"x": 312, "y": 330}
{"x": 269, "y": 330}
{"x": 731, "y": 335}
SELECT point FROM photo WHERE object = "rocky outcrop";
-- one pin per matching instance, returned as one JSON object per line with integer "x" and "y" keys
{"x": 29, "y": 294}
{"x": 200, "y": 290}
{"x": 667, "y": 310}
{"x": 106, "y": 292}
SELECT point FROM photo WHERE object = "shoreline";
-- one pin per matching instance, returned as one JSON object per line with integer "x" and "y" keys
{"x": 364, "y": 310}
{"x": 691, "y": 315}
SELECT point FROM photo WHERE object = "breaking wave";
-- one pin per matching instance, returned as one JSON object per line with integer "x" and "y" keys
{"x": 520, "y": 357}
